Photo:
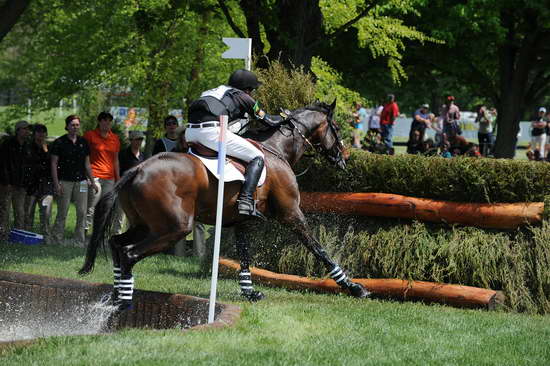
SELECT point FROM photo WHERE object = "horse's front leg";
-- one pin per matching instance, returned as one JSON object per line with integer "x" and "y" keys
{"x": 298, "y": 222}
{"x": 245, "y": 277}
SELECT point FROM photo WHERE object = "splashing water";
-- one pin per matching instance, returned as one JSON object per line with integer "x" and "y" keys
{"x": 19, "y": 322}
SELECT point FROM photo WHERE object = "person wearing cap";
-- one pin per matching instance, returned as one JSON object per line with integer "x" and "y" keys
{"x": 421, "y": 120}
{"x": 104, "y": 148}
{"x": 132, "y": 155}
{"x": 169, "y": 141}
{"x": 387, "y": 120}
{"x": 128, "y": 158}
{"x": 72, "y": 178}
{"x": 235, "y": 101}
{"x": 40, "y": 189}
{"x": 13, "y": 160}
{"x": 538, "y": 132}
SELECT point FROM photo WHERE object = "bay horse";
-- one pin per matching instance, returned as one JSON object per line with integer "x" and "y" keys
{"x": 164, "y": 195}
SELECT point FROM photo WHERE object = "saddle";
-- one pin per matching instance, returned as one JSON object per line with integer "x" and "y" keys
{"x": 200, "y": 150}
{"x": 234, "y": 167}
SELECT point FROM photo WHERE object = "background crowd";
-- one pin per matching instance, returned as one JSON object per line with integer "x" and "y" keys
{"x": 447, "y": 140}
{"x": 72, "y": 169}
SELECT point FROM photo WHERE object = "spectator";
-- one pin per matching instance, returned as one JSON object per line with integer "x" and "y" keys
{"x": 374, "y": 119}
{"x": 13, "y": 156}
{"x": 485, "y": 120}
{"x": 436, "y": 124}
{"x": 445, "y": 150}
{"x": 128, "y": 158}
{"x": 421, "y": 121}
{"x": 40, "y": 189}
{"x": 414, "y": 145}
{"x": 168, "y": 142}
{"x": 538, "y": 132}
{"x": 360, "y": 118}
{"x": 104, "y": 148}
{"x": 450, "y": 115}
{"x": 387, "y": 120}
{"x": 72, "y": 177}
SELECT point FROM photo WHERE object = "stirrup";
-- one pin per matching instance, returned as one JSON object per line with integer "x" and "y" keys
{"x": 248, "y": 208}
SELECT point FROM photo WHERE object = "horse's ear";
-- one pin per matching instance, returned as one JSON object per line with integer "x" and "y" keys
{"x": 333, "y": 105}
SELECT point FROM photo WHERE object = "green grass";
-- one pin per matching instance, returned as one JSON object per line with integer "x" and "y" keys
{"x": 287, "y": 328}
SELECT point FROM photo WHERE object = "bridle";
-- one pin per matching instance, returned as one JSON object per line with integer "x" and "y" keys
{"x": 318, "y": 147}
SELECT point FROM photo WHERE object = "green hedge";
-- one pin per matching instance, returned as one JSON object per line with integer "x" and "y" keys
{"x": 516, "y": 262}
{"x": 457, "y": 179}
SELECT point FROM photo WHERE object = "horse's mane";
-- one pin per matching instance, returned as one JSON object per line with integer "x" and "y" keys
{"x": 265, "y": 132}
{"x": 317, "y": 106}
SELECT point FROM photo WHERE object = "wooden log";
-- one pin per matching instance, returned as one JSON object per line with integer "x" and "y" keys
{"x": 485, "y": 215}
{"x": 455, "y": 295}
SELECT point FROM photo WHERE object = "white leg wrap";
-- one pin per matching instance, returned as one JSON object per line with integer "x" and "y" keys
{"x": 338, "y": 275}
{"x": 126, "y": 289}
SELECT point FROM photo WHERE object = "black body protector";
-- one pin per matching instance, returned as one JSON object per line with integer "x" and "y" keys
{"x": 236, "y": 104}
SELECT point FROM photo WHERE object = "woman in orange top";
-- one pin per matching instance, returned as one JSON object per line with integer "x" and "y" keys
{"x": 104, "y": 147}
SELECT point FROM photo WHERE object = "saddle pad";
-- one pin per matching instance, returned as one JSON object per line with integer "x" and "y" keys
{"x": 231, "y": 173}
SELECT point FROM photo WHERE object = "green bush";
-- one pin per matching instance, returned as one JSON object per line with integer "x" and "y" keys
{"x": 457, "y": 179}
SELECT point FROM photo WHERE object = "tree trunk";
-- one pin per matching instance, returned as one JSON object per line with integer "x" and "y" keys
{"x": 300, "y": 24}
{"x": 516, "y": 56}
{"x": 10, "y": 14}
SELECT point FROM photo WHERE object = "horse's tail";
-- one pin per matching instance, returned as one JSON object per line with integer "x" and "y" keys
{"x": 103, "y": 220}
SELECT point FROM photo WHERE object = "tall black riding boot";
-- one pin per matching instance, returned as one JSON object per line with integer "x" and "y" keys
{"x": 245, "y": 203}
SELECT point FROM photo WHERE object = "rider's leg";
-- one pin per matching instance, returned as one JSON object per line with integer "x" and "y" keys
{"x": 240, "y": 148}
{"x": 245, "y": 203}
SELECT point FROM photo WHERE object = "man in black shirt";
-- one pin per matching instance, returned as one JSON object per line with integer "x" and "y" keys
{"x": 72, "y": 177}
{"x": 13, "y": 156}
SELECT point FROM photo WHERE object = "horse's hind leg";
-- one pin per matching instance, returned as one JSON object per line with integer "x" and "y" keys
{"x": 123, "y": 279}
{"x": 298, "y": 222}
{"x": 245, "y": 278}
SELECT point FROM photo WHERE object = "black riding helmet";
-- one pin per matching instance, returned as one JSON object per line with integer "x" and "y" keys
{"x": 243, "y": 79}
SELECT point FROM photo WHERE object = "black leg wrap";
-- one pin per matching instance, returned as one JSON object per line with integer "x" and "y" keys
{"x": 355, "y": 289}
{"x": 245, "y": 202}
{"x": 247, "y": 291}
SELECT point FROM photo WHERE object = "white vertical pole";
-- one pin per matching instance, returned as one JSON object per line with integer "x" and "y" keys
{"x": 74, "y": 105}
{"x": 29, "y": 109}
{"x": 248, "y": 59}
{"x": 219, "y": 212}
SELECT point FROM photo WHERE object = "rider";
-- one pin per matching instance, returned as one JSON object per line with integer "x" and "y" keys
{"x": 235, "y": 101}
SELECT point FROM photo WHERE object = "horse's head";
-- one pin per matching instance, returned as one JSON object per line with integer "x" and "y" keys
{"x": 325, "y": 136}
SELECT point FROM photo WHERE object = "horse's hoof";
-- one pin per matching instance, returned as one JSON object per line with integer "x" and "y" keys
{"x": 123, "y": 305}
{"x": 359, "y": 291}
{"x": 253, "y": 295}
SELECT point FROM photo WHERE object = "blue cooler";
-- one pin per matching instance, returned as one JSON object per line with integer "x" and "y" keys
{"x": 25, "y": 237}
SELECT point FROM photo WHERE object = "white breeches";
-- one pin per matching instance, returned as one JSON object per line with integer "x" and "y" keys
{"x": 236, "y": 146}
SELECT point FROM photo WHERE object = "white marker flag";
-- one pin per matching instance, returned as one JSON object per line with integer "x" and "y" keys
{"x": 219, "y": 213}
{"x": 239, "y": 48}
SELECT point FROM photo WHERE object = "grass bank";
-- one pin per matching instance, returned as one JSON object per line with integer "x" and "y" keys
{"x": 288, "y": 328}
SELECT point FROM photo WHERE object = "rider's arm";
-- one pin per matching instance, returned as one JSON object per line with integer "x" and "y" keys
{"x": 268, "y": 119}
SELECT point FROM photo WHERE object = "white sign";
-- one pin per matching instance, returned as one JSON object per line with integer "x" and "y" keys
{"x": 239, "y": 48}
